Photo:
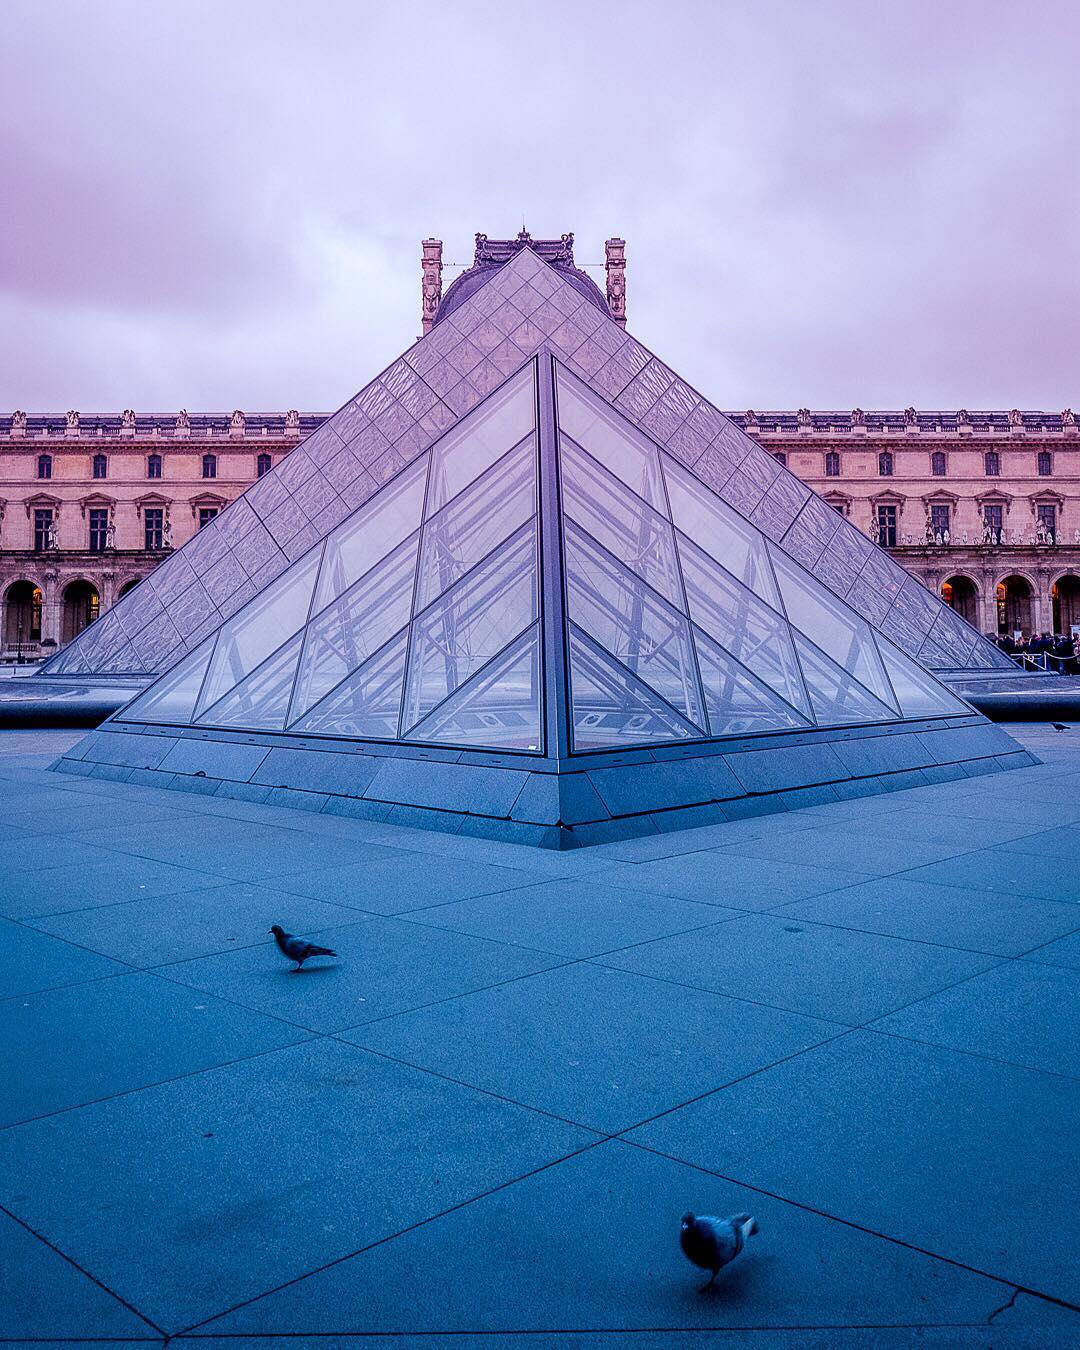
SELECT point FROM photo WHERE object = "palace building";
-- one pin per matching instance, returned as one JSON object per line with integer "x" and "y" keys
{"x": 981, "y": 506}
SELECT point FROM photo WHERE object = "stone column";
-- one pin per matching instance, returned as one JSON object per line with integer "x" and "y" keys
{"x": 431, "y": 282}
{"x": 51, "y": 608}
{"x": 615, "y": 267}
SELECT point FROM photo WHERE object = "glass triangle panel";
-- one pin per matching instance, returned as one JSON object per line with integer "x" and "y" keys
{"x": 737, "y": 702}
{"x": 919, "y": 694}
{"x": 485, "y": 435}
{"x": 260, "y": 702}
{"x": 611, "y": 439}
{"x": 629, "y": 529}
{"x": 831, "y": 626}
{"x": 719, "y": 531}
{"x": 356, "y": 625}
{"x": 366, "y": 704}
{"x": 836, "y": 695}
{"x": 471, "y": 623}
{"x": 248, "y": 638}
{"x": 742, "y": 624}
{"x": 612, "y": 709}
{"x": 470, "y": 526}
{"x": 498, "y": 708}
{"x": 172, "y": 698}
{"x": 624, "y": 616}
{"x": 372, "y": 532}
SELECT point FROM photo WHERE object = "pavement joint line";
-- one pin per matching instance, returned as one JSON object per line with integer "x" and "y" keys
{"x": 972, "y": 1054}
{"x": 1009, "y": 1283}
{"x": 81, "y": 1269}
{"x": 389, "y": 1237}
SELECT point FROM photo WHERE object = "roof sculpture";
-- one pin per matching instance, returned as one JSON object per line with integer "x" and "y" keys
{"x": 555, "y": 621}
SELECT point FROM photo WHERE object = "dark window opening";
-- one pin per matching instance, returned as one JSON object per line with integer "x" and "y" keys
{"x": 100, "y": 466}
{"x": 992, "y": 464}
{"x": 209, "y": 466}
{"x": 887, "y": 522}
{"x": 262, "y": 466}
{"x": 832, "y": 464}
{"x": 43, "y": 528}
{"x": 885, "y": 464}
{"x": 44, "y": 466}
{"x": 1045, "y": 464}
{"x": 206, "y": 515}
{"x": 154, "y": 527}
{"x": 153, "y": 466}
{"x": 99, "y": 530}
{"x": 937, "y": 463}
{"x": 939, "y": 520}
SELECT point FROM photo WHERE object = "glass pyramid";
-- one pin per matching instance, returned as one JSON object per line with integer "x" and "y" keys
{"x": 544, "y": 585}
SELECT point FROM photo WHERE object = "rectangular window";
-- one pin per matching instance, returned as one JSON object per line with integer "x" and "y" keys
{"x": 1047, "y": 518}
{"x": 153, "y": 466}
{"x": 939, "y": 519}
{"x": 206, "y": 515}
{"x": 886, "y": 516}
{"x": 994, "y": 521}
{"x": 43, "y": 528}
{"x": 99, "y": 530}
{"x": 154, "y": 527}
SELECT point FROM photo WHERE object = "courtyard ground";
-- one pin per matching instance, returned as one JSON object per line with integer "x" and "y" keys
{"x": 481, "y": 1124}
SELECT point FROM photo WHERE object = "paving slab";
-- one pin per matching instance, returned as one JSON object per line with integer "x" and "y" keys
{"x": 42, "y": 1295}
{"x": 384, "y": 966}
{"x": 953, "y": 916}
{"x": 1021, "y": 1012}
{"x": 962, "y": 1156}
{"x": 841, "y": 848}
{"x": 64, "y": 1047}
{"x": 573, "y": 918}
{"x": 181, "y": 927}
{"x": 57, "y": 890}
{"x": 402, "y": 881}
{"x": 737, "y": 883}
{"x": 592, "y": 1243}
{"x": 195, "y": 1195}
{"x": 31, "y": 961}
{"x": 1055, "y": 876}
{"x": 605, "y": 1048}
{"x": 1064, "y": 952}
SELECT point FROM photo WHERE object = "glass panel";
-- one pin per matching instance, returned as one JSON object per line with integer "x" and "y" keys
{"x": 172, "y": 698}
{"x": 356, "y": 625}
{"x": 374, "y": 531}
{"x": 610, "y": 708}
{"x": 919, "y": 694}
{"x": 828, "y": 623}
{"x": 262, "y": 700}
{"x": 473, "y": 523}
{"x": 626, "y": 527}
{"x": 471, "y": 623}
{"x": 487, "y": 433}
{"x": 721, "y": 532}
{"x": 499, "y": 707}
{"x": 737, "y": 702}
{"x": 260, "y": 628}
{"x": 740, "y": 623}
{"x": 610, "y": 438}
{"x": 367, "y": 703}
{"x": 836, "y": 695}
{"x": 624, "y": 617}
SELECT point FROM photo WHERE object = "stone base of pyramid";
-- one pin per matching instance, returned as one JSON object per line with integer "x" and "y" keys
{"x": 598, "y": 799}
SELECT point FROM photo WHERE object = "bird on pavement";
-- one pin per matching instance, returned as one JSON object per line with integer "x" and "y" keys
{"x": 297, "y": 949}
{"x": 712, "y": 1243}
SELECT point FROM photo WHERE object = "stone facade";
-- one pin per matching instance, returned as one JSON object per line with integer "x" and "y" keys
{"x": 90, "y": 505}
{"x": 982, "y": 507}
{"x": 82, "y": 573}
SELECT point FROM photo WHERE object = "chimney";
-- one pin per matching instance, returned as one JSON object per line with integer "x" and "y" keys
{"x": 615, "y": 266}
{"x": 431, "y": 282}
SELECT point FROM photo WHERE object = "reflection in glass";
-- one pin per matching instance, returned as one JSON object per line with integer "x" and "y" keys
{"x": 627, "y": 620}
{"x": 498, "y": 708}
{"x": 737, "y": 703}
{"x": 464, "y": 453}
{"x": 918, "y": 692}
{"x": 366, "y": 704}
{"x": 836, "y": 695}
{"x": 609, "y": 438}
{"x": 172, "y": 698}
{"x": 623, "y": 523}
{"x": 261, "y": 700}
{"x": 471, "y": 623}
{"x": 475, "y": 521}
{"x": 610, "y": 707}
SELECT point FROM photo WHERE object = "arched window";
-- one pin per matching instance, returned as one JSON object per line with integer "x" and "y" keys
{"x": 100, "y": 466}
{"x": 262, "y": 465}
{"x": 884, "y": 464}
{"x": 992, "y": 463}
{"x": 44, "y": 466}
{"x": 937, "y": 463}
{"x": 153, "y": 466}
{"x": 209, "y": 466}
{"x": 1045, "y": 464}
{"x": 832, "y": 464}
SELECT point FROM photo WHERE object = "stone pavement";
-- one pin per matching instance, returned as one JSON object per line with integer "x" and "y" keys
{"x": 480, "y": 1126}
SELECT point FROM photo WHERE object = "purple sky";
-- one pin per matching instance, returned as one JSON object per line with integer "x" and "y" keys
{"x": 826, "y": 202}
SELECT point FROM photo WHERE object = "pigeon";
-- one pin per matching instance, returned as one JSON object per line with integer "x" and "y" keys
{"x": 711, "y": 1243}
{"x": 1059, "y": 726}
{"x": 297, "y": 949}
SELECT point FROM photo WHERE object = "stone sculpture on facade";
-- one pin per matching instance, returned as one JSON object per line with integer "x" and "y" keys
{"x": 431, "y": 282}
{"x": 615, "y": 270}
{"x": 292, "y": 422}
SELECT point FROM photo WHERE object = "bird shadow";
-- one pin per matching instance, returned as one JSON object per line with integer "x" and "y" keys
{"x": 731, "y": 1284}
{"x": 312, "y": 970}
